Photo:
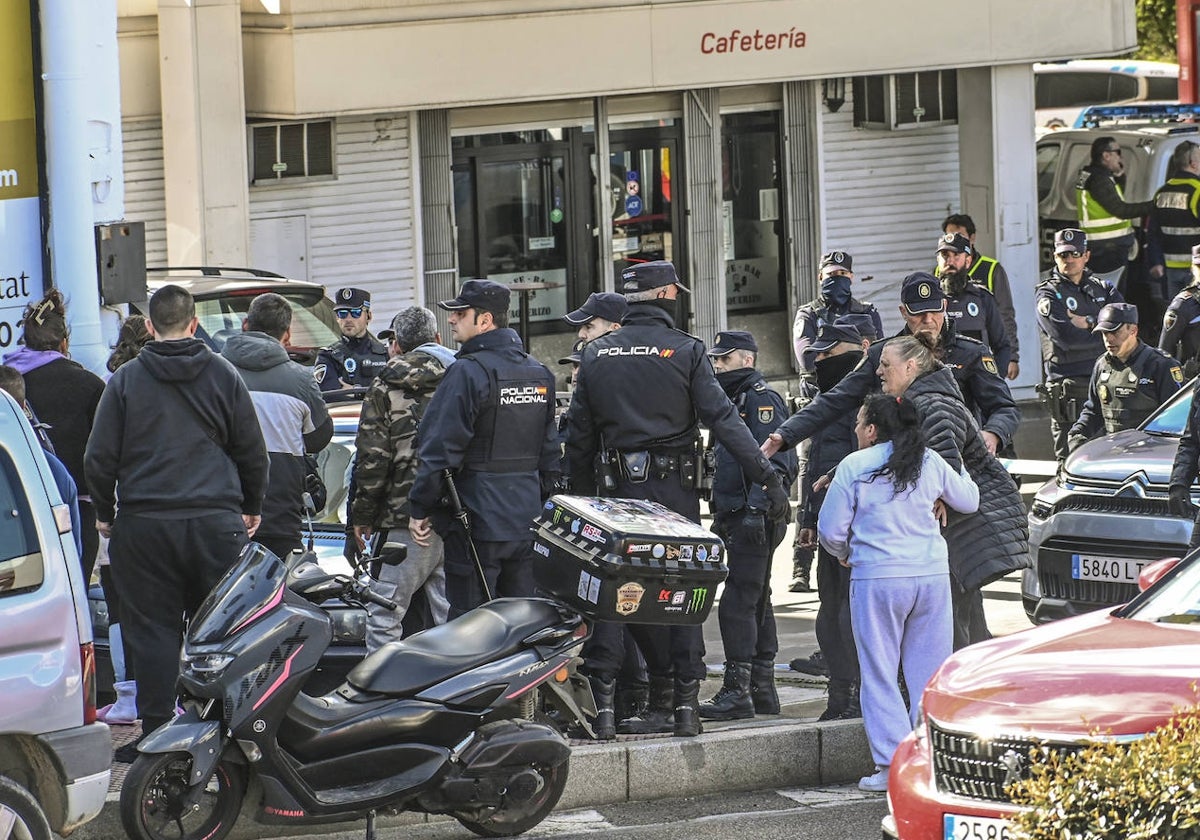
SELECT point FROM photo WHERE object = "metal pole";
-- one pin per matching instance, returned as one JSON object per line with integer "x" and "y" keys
{"x": 603, "y": 230}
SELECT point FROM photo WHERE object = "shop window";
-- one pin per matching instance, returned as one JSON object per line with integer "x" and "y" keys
{"x": 906, "y": 100}
{"x": 752, "y": 209}
{"x": 287, "y": 151}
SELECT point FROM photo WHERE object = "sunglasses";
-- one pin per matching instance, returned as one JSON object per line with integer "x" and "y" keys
{"x": 1071, "y": 255}
{"x": 356, "y": 312}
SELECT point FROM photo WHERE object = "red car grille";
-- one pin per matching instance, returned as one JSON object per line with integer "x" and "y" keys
{"x": 965, "y": 765}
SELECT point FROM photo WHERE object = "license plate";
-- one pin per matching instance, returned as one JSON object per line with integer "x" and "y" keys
{"x": 960, "y": 827}
{"x": 1114, "y": 569}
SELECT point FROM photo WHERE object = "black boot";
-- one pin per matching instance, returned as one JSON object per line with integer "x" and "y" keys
{"x": 687, "y": 713}
{"x": 801, "y": 569}
{"x": 762, "y": 687}
{"x": 659, "y": 715}
{"x": 853, "y": 706}
{"x": 605, "y": 724}
{"x": 732, "y": 701}
{"x": 631, "y": 700}
{"x": 839, "y": 698}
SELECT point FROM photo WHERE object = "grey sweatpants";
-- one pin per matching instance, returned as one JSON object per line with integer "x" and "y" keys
{"x": 898, "y": 621}
{"x": 423, "y": 567}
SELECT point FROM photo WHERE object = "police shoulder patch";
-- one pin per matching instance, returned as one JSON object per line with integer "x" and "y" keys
{"x": 1043, "y": 307}
{"x": 766, "y": 413}
{"x": 319, "y": 373}
{"x": 989, "y": 364}
{"x": 1177, "y": 374}
{"x": 1170, "y": 318}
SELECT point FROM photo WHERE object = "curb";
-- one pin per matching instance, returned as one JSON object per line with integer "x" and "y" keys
{"x": 746, "y": 755}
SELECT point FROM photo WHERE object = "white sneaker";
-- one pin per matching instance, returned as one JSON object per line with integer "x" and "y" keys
{"x": 876, "y": 783}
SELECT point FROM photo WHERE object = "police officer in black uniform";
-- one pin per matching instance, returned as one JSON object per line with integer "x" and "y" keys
{"x": 835, "y": 299}
{"x": 1129, "y": 381}
{"x": 357, "y": 357}
{"x": 1068, "y": 302}
{"x": 1181, "y": 323}
{"x": 923, "y": 306}
{"x": 491, "y": 422}
{"x": 739, "y": 516}
{"x": 640, "y": 396}
{"x": 1183, "y": 471}
{"x": 973, "y": 308}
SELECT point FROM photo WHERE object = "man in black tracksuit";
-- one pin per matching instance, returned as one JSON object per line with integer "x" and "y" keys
{"x": 290, "y": 411}
{"x": 640, "y": 396}
{"x": 177, "y": 437}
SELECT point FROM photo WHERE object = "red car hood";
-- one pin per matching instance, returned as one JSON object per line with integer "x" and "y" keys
{"x": 1073, "y": 677}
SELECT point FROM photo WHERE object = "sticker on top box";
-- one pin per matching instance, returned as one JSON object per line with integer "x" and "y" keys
{"x": 629, "y": 598}
{"x": 628, "y": 515}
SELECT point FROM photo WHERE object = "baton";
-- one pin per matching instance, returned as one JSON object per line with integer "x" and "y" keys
{"x": 460, "y": 513}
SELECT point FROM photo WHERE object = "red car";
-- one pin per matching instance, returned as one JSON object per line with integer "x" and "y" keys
{"x": 1122, "y": 672}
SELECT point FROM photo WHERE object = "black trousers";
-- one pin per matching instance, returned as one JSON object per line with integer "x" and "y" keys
{"x": 835, "y": 635}
{"x": 970, "y": 622}
{"x": 164, "y": 569}
{"x": 745, "y": 615}
{"x": 280, "y": 546}
{"x": 90, "y": 538}
{"x": 670, "y": 650}
{"x": 508, "y": 567}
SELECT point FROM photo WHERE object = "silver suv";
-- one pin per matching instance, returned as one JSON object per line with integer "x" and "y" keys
{"x": 1093, "y": 528}
{"x": 1146, "y": 151}
{"x": 54, "y": 755}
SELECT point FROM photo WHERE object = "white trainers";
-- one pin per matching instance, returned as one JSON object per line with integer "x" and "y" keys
{"x": 875, "y": 783}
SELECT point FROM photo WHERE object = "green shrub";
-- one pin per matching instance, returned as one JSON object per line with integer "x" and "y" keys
{"x": 1148, "y": 788}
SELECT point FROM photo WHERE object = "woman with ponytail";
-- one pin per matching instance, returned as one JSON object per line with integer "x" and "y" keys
{"x": 878, "y": 518}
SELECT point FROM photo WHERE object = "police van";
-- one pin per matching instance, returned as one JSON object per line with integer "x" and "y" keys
{"x": 1147, "y": 135}
{"x": 1063, "y": 90}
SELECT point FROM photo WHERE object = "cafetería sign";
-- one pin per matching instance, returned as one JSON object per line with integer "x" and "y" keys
{"x": 757, "y": 41}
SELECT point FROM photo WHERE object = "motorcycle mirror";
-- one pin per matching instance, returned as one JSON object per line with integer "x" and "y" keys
{"x": 393, "y": 553}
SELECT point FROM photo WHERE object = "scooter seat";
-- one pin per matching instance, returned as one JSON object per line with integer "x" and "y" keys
{"x": 485, "y": 634}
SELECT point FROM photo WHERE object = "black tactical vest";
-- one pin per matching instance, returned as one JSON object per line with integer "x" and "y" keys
{"x": 511, "y": 427}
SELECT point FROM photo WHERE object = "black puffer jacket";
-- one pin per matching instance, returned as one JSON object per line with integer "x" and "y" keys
{"x": 994, "y": 541}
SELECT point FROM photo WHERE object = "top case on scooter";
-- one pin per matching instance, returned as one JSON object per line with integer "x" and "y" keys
{"x": 627, "y": 560}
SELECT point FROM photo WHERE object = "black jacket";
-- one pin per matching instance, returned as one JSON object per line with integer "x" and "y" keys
{"x": 988, "y": 544}
{"x": 176, "y": 436}
{"x": 64, "y": 395}
{"x": 762, "y": 410}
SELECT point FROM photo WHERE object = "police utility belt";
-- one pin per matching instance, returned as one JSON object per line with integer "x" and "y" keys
{"x": 695, "y": 466}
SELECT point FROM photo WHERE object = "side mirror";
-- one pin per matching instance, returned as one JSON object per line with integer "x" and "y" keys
{"x": 1152, "y": 572}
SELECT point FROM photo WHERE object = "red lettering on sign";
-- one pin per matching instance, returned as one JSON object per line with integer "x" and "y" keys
{"x": 758, "y": 41}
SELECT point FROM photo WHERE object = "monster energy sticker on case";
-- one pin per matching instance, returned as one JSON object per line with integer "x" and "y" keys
{"x": 699, "y": 597}
{"x": 629, "y": 597}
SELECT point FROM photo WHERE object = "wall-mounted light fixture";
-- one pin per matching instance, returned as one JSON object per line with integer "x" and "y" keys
{"x": 833, "y": 93}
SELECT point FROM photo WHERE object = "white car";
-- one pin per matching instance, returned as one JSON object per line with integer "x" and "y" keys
{"x": 1064, "y": 89}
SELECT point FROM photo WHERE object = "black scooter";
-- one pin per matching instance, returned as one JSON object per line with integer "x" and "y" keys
{"x": 432, "y": 723}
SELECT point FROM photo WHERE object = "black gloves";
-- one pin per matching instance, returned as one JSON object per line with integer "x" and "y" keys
{"x": 1180, "y": 502}
{"x": 351, "y": 551}
{"x": 780, "y": 506}
{"x": 753, "y": 528}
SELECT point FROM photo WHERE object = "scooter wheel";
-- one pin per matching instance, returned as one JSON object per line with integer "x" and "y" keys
{"x": 21, "y": 813}
{"x": 158, "y": 804}
{"x": 519, "y": 815}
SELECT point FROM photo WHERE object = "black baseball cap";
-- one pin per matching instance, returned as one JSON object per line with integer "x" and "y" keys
{"x": 831, "y": 335}
{"x": 485, "y": 295}
{"x": 862, "y": 322}
{"x": 1114, "y": 316}
{"x": 729, "y": 340}
{"x": 921, "y": 292}
{"x": 351, "y": 298}
{"x": 955, "y": 242}
{"x": 642, "y": 277}
{"x": 607, "y": 305}
{"x": 835, "y": 259}
{"x": 1070, "y": 239}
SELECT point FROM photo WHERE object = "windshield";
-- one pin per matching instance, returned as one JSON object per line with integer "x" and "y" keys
{"x": 247, "y": 590}
{"x": 312, "y": 318}
{"x": 1172, "y": 416}
{"x": 1178, "y": 600}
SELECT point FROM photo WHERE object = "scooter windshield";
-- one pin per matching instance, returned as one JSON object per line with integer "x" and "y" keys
{"x": 251, "y": 588}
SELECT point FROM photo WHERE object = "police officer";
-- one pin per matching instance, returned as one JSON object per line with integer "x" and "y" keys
{"x": 640, "y": 396}
{"x": 1175, "y": 222}
{"x": 491, "y": 422}
{"x": 835, "y": 275}
{"x": 1103, "y": 212}
{"x": 601, "y": 312}
{"x": 1129, "y": 381}
{"x": 1068, "y": 302}
{"x": 974, "y": 310}
{"x": 923, "y": 307}
{"x": 739, "y": 515}
{"x": 988, "y": 273}
{"x": 1183, "y": 472}
{"x": 357, "y": 357}
{"x": 1181, "y": 323}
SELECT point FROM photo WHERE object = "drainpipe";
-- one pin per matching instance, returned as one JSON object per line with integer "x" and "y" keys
{"x": 71, "y": 237}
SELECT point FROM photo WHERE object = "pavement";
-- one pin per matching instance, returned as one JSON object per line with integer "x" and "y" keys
{"x": 791, "y": 750}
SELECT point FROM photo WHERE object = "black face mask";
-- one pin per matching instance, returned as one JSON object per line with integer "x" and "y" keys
{"x": 832, "y": 370}
{"x": 954, "y": 283}
{"x": 835, "y": 290}
{"x": 731, "y": 381}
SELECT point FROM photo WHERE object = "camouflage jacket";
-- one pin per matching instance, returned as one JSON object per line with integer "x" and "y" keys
{"x": 386, "y": 459}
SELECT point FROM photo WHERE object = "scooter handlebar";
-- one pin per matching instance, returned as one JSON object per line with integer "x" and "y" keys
{"x": 366, "y": 593}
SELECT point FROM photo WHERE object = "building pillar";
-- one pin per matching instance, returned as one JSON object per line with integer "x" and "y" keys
{"x": 802, "y": 192}
{"x": 705, "y": 274}
{"x": 439, "y": 237}
{"x": 204, "y": 132}
{"x": 998, "y": 182}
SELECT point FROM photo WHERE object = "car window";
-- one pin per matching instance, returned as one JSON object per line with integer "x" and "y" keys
{"x": 21, "y": 564}
{"x": 1177, "y": 601}
{"x": 1163, "y": 88}
{"x": 221, "y": 318}
{"x": 1171, "y": 417}
{"x": 1122, "y": 86}
{"x": 1070, "y": 90}
{"x": 1047, "y": 165}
